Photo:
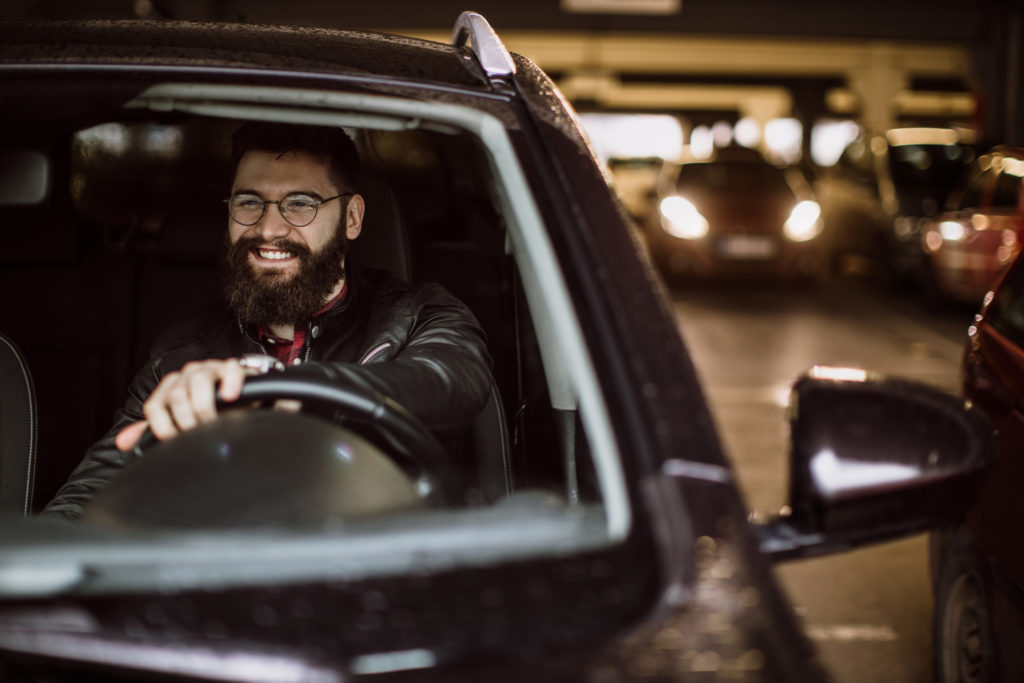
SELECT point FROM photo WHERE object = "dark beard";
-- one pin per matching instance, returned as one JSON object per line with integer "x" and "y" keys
{"x": 267, "y": 298}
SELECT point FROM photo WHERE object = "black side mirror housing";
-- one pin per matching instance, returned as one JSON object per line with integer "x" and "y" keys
{"x": 874, "y": 459}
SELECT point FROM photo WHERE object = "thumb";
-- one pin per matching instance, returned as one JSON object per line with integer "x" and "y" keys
{"x": 127, "y": 437}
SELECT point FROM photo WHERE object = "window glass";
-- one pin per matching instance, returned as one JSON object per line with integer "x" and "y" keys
{"x": 732, "y": 177}
{"x": 923, "y": 172}
{"x": 856, "y": 161}
{"x": 974, "y": 196}
{"x": 1006, "y": 312}
{"x": 127, "y": 175}
{"x": 1006, "y": 197}
{"x": 153, "y": 191}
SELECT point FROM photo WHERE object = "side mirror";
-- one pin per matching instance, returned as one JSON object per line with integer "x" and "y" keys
{"x": 874, "y": 459}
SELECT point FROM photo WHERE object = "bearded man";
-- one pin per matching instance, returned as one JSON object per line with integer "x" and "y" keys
{"x": 296, "y": 303}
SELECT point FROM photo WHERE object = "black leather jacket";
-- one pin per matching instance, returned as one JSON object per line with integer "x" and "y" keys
{"x": 418, "y": 345}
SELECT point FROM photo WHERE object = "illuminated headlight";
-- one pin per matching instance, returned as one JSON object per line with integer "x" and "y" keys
{"x": 952, "y": 231}
{"x": 804, "y": 223}
{"x": 681, "y": 219}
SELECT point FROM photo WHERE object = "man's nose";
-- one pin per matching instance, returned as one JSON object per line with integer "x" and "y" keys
{"x": 272, "y": 224}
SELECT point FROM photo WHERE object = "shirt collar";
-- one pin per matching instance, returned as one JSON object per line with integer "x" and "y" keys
{"x": 263, "y": 332}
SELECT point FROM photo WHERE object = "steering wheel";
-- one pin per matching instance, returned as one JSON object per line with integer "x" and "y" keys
{"x": 378, "y": 418}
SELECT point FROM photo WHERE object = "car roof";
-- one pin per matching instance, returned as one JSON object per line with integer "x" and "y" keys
{"x": 227, "y": 45}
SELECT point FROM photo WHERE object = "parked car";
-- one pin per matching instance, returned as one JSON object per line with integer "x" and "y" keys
{"x": 978, "y": 563}
{"x": 592, "y": 529}
{"x": 880, "y": 194}
{"x": 981, "y": 230}
{"x": 737, "y": 215}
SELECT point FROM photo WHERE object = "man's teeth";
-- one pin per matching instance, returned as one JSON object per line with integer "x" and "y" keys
{"x": 274, "y": 254}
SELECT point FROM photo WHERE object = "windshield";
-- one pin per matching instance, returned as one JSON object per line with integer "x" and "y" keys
{"x": 924, "y": 175}
{"x": 732, "y": 177}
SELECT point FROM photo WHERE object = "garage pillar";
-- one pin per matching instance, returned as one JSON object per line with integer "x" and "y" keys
{"x": 876, "y": 82}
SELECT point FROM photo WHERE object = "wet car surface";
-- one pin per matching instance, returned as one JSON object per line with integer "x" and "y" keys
{"x": 594, "y": 528}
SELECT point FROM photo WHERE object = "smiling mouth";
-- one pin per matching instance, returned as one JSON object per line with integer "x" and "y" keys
{"x": 266, "y": 254}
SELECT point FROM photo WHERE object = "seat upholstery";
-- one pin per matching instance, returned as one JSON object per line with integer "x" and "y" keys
{"x": 384, "y": 243}
{"x": 17, "y": 430}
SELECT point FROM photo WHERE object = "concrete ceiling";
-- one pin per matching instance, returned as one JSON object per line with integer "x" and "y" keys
{"x": 882, "y": 61}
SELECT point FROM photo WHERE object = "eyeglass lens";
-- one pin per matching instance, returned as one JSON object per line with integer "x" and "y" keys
{"x": 297, "y": 209}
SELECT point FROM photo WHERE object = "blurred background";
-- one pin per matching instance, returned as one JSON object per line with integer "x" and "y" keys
{"x": 784, "y": 76}
{"x": 869, "y": 150}
{"x": 881, "y": 106}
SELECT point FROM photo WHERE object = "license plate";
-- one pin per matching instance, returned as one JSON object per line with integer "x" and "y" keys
{"x": 747, "y": 247}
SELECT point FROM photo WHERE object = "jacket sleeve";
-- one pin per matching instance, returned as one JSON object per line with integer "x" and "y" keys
{"x": 103, "y": 460}
{"x": 431, "y": 358}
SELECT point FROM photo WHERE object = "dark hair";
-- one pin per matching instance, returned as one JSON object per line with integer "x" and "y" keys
{"x": 329, "y": 144}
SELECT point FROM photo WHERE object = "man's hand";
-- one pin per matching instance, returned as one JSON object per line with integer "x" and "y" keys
{"x": 186, "y": 398}
{"x": 130, "y": 435}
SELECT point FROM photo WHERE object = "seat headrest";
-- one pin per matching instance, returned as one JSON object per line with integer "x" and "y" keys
{"x": 383, "y": 242}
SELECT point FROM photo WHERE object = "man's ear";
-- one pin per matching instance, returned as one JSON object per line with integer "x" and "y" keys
{"x": 354, "y": 216}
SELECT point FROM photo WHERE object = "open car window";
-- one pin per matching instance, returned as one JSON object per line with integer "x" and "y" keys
{"x": 135, "y": 221}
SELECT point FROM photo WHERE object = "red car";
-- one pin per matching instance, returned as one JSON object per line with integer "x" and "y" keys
{"x": 981, "y": 231}
{"x": 978, "y": 565}
{"x": 738, "y": 215}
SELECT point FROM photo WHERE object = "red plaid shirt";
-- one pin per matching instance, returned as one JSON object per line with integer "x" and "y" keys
{"x": 288, "y": 350}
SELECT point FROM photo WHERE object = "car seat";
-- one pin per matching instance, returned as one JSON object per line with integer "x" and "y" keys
{"x": 17, "y": 430}
{"x": 384, "y": 243}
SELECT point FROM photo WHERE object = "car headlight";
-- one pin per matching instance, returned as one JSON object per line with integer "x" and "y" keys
{"x": 804, "y": 222}
{"x": 681, "y": 218}
{"x": 952, "y": 231}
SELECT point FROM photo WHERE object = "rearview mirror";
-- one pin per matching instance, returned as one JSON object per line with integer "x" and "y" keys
{"x": 874, "y": 459}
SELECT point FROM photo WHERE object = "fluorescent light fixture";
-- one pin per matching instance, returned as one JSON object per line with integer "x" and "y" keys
{"x": 622, "y": 6}
{"x": 839, "y": 374}
{"x": 634, "y": 135}
{"x": 922, "y": 136}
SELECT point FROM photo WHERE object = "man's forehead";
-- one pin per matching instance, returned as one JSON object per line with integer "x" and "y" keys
{"x": 292, "y": 157}
{"x": 287, "y": 166}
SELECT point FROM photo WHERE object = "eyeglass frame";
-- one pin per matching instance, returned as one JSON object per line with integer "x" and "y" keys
{"x": 264, "y": 202}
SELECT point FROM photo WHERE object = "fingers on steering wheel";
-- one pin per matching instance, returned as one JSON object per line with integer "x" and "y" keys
{"x": 232, "y": 376}
{"x": 200, "y": 390}
{"x": 186, "y": 398}
{"x": 155, "y": 410}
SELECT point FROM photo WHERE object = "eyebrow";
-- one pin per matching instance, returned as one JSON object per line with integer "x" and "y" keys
{"x": 309, "y": 193}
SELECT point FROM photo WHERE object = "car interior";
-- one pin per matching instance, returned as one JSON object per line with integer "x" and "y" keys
{"x": 124, "y": 236}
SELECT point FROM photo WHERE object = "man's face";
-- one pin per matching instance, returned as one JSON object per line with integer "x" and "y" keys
{"x": 276, "y": 272}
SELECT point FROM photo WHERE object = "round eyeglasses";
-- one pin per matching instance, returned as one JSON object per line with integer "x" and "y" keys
{"x": 298, "y": 209}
